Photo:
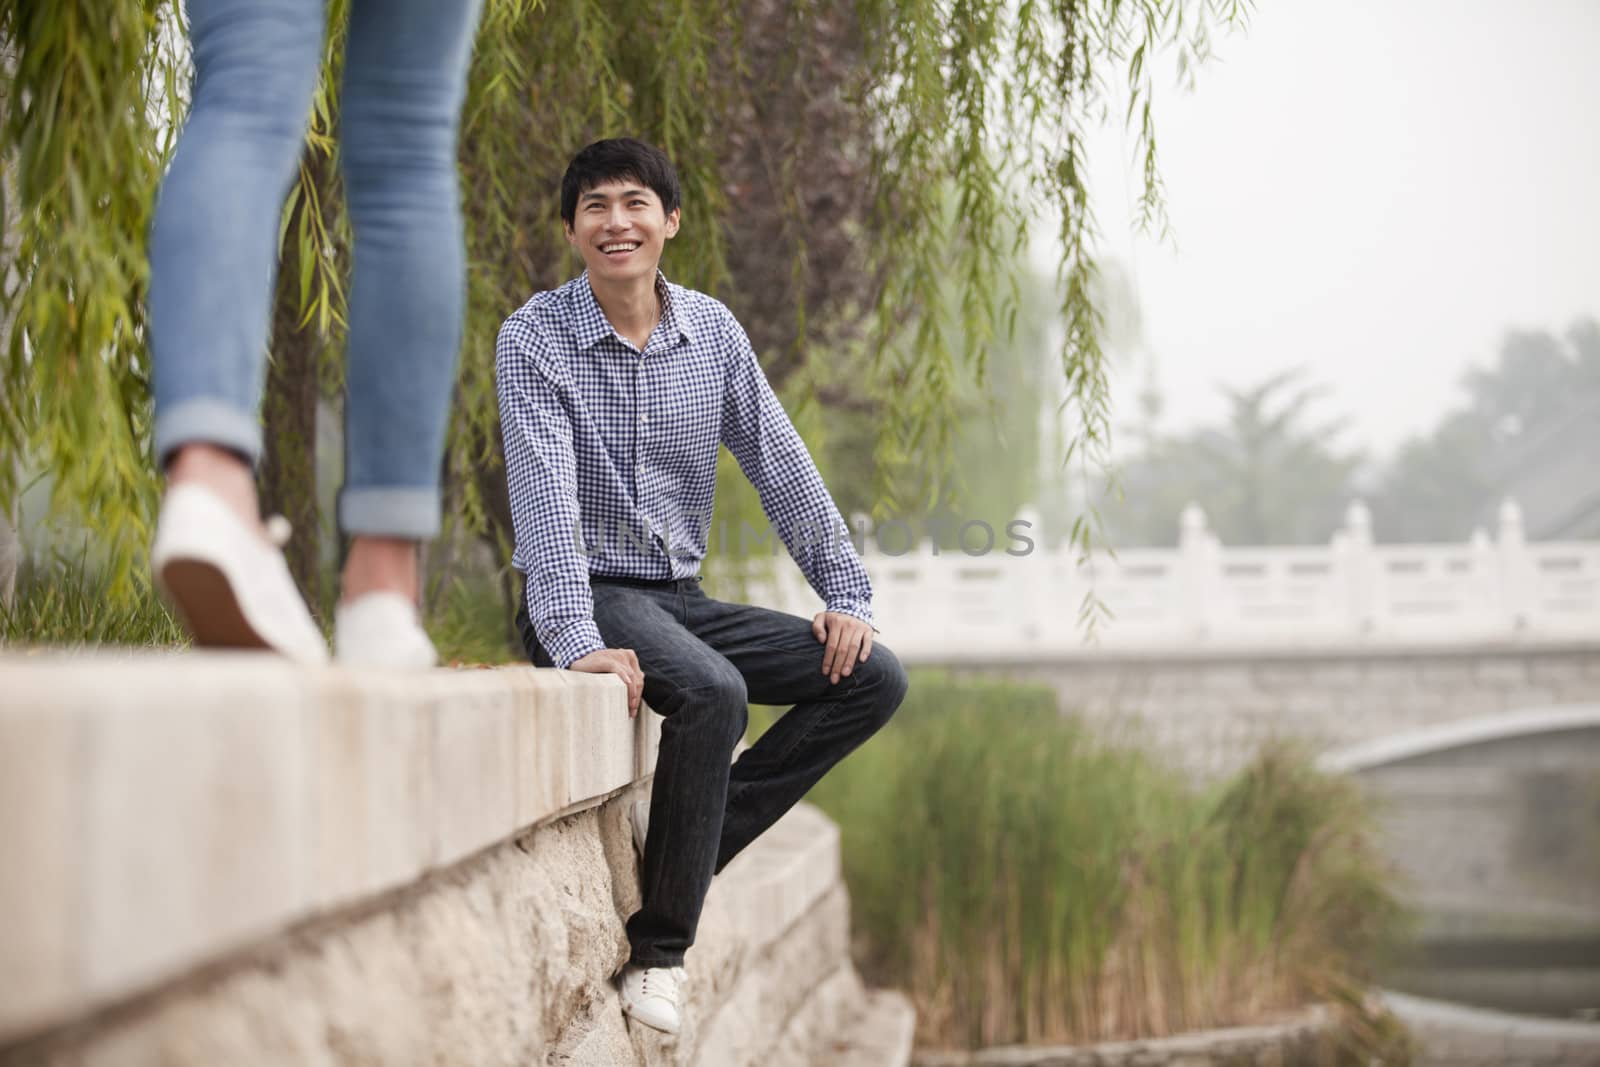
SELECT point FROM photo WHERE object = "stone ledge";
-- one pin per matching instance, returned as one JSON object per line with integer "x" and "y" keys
{"x": 1299, "y": 1040}
{"x": 159, "y": 811}
{"x": 1455, "y": 1035}
{"x": 765, "y": 891}
{"x": 1461, "y": 733}
{"x": 1251, "y": 655}
{"x": 881, "y": 1035}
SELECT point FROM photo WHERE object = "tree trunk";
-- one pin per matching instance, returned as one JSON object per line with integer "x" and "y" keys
{"x": 289, "y": 460}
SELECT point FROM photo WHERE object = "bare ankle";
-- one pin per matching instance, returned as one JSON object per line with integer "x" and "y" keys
{"x": 381, "y": 565}
{"x": 223, "y": 472}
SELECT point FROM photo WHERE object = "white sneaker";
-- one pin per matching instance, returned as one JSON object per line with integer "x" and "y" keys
{"x": 381, "y": 630}
{"x": 650, "y": 995}
{"x": 232, "y": 589}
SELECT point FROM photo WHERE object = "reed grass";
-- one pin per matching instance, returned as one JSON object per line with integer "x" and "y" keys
{"x": 468, "y": 623}
{"x": 66, "y": 602}
{"x": 1027, "y": 883}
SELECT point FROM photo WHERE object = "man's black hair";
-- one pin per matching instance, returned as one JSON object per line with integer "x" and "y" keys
{"x": 619, "y": 159}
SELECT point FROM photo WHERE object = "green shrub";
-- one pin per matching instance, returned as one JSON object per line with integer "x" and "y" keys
{"x": 1026, "y": 883}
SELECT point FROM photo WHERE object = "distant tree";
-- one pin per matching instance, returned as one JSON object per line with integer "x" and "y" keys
{"x": 1536, "y": 377}
{"x": 1440, "y": 486}
{"x": 989, "y": 99}
{"x": 1273, "y": 473}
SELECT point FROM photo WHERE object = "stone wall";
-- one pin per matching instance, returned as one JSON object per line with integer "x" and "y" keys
{"x": 226, "y": 859}
{"x": 1210, "y": 713}
{"x": 1449, "y": 1035}
{"x": 1492, "y": 832}
{"x": 1307, "y": 1041}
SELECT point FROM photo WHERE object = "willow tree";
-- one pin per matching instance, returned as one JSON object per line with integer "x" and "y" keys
{"x": 818, "y": 143}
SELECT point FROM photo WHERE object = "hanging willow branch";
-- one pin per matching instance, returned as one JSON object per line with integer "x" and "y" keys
{"x": 84, "y": 145}
{"x": 914, "y": 142}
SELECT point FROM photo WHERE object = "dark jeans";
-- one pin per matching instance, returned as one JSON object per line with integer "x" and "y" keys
{"x": 704, "y": 660}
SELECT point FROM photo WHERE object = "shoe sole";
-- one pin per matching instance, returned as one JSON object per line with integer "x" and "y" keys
{"x": 205, "y": 600}
{"x": 639, "y": 831}
{"x": 642, "y": 1021}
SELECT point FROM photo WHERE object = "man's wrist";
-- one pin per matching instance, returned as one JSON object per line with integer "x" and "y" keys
{"x": 856, "y": 609}
{"x": 573, "y": 641}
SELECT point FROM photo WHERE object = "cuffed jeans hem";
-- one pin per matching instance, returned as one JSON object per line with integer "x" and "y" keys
{"x": 207, "y": 422}
{"x": 410, "y": 513}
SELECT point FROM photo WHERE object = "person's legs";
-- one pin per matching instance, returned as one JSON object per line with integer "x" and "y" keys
{"x": 405, "y": 76}
{"x": 213, "y": 250}
{"x": 703, "y": 702}
{"x": 213, "y": 241}
{"x": 703, "y": 660}
{"x": 780, "y": 660}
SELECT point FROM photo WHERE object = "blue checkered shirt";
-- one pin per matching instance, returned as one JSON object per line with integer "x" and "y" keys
{"x": 622, "y": 445}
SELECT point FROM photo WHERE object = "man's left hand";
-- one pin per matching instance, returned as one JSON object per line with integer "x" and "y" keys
{"x": 848, "y": 641}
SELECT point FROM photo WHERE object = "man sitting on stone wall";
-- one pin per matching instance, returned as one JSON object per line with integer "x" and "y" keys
{"x": 616, "y": 390}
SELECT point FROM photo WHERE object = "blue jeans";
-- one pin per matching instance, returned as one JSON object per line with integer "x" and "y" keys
{"x": 213, "y": 244}
{"x": 704, "y": 661}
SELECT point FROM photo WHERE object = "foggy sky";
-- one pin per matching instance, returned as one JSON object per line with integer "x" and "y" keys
{"x": 1376, "y": 188}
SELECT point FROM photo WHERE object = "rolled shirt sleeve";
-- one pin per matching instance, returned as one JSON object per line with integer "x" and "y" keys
{"x": 541, "y": 474}
{"x": 773, "y": 456}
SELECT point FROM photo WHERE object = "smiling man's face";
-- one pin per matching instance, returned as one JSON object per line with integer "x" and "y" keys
{"x": 620, "y": 230}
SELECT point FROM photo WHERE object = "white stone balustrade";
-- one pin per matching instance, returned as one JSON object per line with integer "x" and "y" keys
{"x": 951, "y": 605}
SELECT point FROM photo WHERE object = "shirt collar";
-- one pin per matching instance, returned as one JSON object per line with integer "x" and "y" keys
{"x": 589, "y": 322}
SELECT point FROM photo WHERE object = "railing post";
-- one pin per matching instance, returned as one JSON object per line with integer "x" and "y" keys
{"x": 1516, "y": 592}
{"x": 1484, "y": 614}
{"x": 1197, "y": 559}
{"x": 1353, "y": 546}
{"x": 1021, "y": 578}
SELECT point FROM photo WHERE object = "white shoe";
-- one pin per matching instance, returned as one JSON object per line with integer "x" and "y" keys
{"x": 639, "y": 817}
{"x": 650, "y": 995}
{"x": 381, "y": 630}
{"x": 232, "y": 589}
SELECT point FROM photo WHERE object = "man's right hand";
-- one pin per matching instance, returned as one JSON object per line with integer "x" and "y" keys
{"x": 620, "y": 662}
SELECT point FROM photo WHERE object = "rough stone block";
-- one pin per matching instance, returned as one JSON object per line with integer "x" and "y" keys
{"x": 765, "y": 890}
{"x": 1230, "y": 679}
{"x": 1168, "y": 681}
{"x": 1524, "y": 697}
{"x": 818, "y": 1025}
{"x": 1390, "y": 673}
{"x": 882, "y": 1035}
{"x": 1500, "y": 670}
{"x": 774, "y": 983}
{"x": 1276, "y": 677}
{"x": 1561, "y": 669}
{"x": 1336, "y": 674}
